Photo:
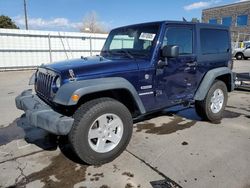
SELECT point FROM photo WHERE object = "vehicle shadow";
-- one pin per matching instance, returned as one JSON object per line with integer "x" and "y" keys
{"x": 44, "y": 140}
{"x": 20, "y": 129}
{"x": 188, "y": 113}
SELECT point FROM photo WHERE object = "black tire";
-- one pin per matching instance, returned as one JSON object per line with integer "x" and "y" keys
{"x": 203, "y": 108}
{"x": 85, "y": 116}
{"x": 239, "y": 56}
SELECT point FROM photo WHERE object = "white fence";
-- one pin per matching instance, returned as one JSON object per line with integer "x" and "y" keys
{"x": 24, "y": 49}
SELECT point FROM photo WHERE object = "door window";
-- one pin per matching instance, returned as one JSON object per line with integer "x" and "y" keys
{"x": 182, "y": 37}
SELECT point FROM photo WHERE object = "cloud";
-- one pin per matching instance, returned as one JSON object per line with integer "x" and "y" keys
{"x": 201, "y": 4}
{"x": 242, "y": 1}
{"x": 48, "y": 24}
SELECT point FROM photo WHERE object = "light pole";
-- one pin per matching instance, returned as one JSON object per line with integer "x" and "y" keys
{"x": 25, "y": 14}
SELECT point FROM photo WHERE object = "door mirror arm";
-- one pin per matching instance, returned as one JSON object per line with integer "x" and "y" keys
{"x": 162, "y": 62}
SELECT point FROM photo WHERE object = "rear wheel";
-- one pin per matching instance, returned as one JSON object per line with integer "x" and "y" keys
{"x": 239, "y": 56}
{"x": 101, "y": 130}
{"x": 213, "y": 106}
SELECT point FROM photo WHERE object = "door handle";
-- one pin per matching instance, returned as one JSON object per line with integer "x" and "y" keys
{"x": 192, "y": 64}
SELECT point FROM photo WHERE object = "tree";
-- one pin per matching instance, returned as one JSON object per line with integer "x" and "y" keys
{"x": 196, "y": 20}
{"x": 7, "y": 23}
{"x": 91, "y": 24}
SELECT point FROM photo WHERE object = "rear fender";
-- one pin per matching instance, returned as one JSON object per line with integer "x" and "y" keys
{"x": 209, "y": 79}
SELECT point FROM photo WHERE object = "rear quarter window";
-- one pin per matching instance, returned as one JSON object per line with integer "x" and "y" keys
{"x": 214, "y": 41}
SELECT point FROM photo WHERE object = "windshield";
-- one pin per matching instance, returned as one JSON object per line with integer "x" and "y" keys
{"x": 131, "y": 42}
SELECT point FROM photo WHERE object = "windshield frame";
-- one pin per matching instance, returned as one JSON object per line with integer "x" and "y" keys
{"x": 130, "y": 53}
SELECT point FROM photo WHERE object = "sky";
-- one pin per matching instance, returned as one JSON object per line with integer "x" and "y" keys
{"x": 67, "y": 15}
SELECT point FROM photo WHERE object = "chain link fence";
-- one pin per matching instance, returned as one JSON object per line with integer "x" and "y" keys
{"x": 21, "y": 49}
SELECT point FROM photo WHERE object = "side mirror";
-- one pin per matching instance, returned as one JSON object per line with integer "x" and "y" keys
{"x": 170, "y": 51}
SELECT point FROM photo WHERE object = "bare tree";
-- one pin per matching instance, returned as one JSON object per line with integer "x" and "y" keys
{"x": 91, "y": 24}
{"x": 196, "y": 20}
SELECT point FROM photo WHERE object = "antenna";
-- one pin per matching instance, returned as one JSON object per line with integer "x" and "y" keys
{"x": 184, "y": 20}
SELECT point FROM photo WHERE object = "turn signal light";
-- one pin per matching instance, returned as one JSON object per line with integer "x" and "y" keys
{"x": 75, "y": 98}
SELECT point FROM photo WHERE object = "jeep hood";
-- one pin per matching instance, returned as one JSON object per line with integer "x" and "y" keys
{"x": 92, "y": 67}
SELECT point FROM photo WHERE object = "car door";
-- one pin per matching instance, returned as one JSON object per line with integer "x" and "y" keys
{"x": 247, "y": 51}
{"x": 176, "y": 81}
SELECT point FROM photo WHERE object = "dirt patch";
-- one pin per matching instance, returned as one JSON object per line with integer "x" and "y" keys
{"x": 239, "y": 108}
{"x": 96, "y": 177}
{"x": 230, "y": 114}
{"x": 177, "y": 123}
{"x": 66, "y": 172}
{"x": 104, "y": 186}
{"x": 184, "y": 143}
{"x": 129, "y": 174}
{"x": 129, "y": 185}
{"x": 115, "y": 168}
{"x": 166, "y": 183}
{"x": 247, "y": 186}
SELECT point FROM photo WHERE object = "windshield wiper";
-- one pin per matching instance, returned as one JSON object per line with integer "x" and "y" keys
{"x": 127, "y": 53}
{"x": 140, "y": 54}
{"x": 118, "y": 52}
{"x": 106, "y": 52}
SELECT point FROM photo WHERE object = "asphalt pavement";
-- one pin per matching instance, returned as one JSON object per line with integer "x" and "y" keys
{"x": 169, "y": 149}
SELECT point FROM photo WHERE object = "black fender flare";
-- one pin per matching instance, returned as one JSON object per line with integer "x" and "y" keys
{"x": 84, "y": 87}
{"x": 208, "y": 80}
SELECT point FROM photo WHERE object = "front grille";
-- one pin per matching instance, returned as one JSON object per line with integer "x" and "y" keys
{"x": 44, "y": 81}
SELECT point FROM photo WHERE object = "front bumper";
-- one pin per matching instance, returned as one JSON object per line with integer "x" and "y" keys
{"x": 41, "y": 115}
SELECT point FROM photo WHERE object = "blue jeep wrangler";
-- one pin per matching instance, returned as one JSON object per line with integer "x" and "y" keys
{"x": 142, "y": 69}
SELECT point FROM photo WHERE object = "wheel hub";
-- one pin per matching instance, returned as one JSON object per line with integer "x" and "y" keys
{"x": 217, "y": 101}
{"x": 105, "y": 133}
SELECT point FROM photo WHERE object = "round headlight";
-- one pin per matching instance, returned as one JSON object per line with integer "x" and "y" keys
{"x": 58, "y": 82}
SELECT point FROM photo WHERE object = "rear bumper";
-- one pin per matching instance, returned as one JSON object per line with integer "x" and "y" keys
{"x": 41, "y": 115}
{"x": 242, "y": 81}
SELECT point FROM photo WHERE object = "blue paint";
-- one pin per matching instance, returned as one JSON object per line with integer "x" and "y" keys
{"x": 171, "y": 85}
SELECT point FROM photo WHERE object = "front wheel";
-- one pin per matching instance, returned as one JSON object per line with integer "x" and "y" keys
{"x": 101, "y": 130}
{"x": 213, "y": 106}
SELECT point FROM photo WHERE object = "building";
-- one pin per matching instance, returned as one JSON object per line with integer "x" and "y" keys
{"x": 236, "y": 15}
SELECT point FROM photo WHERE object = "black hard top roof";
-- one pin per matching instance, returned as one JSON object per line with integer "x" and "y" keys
{"x": 206, "y": 25}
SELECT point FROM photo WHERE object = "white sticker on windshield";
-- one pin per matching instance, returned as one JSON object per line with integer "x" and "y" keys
{"x": 147, "y": 36}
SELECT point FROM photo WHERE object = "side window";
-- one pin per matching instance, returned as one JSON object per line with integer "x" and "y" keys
{"x": 214, "y": 41}
{"x": 182, "y": 37}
